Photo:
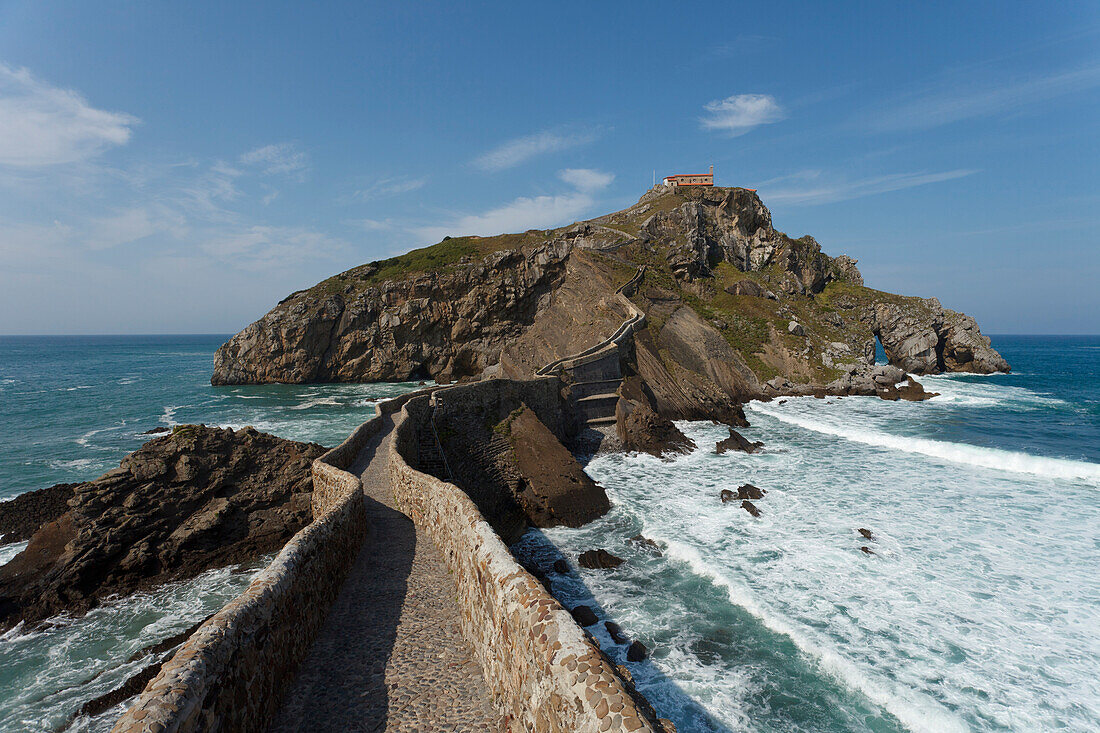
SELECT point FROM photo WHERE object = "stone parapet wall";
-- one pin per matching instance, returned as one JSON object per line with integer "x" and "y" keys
{"x": 543, "y": 672}
{"x": 230, "y": 674}
{"x": 493, "y": 399}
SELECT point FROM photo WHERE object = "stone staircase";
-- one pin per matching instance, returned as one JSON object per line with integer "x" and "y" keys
{"x": 595, "y": 374}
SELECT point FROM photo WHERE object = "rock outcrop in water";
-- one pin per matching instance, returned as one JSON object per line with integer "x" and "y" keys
{"x": 186, "y": 502}
{"x": 22, "y": 516}
{"x": 735, "y": 310}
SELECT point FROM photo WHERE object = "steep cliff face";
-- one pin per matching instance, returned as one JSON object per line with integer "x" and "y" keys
{"x": 732, "y": 304}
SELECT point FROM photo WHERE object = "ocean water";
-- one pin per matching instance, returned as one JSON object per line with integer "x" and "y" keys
{"x": 978, "y": 611}
{"x": 72, "y": 408}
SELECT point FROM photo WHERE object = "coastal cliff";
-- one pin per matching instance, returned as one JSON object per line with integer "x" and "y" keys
{"x": 735, "y": 309}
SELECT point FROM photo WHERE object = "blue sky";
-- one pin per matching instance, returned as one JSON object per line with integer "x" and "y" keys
{"x": 180, "y": 167}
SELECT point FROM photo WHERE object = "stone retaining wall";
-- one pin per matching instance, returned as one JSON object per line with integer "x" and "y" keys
{"x": 231, "y": 673}
{"x": 543, "y": 672}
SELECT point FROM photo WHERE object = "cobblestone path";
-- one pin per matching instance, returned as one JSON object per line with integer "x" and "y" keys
{"x": 391, "y": 655}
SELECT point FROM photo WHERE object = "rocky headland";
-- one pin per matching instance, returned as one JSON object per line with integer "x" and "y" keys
{"x": 195, "y": 499}
{"x": 734, "y": 310}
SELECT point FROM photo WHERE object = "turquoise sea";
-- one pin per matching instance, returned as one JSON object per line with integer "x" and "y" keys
{"x": 980, "y": 609}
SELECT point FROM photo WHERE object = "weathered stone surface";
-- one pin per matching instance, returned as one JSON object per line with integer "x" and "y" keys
{"x": 599, "y": 559}
{"x": 737, "y": 442}
{"x": 746, "y": 491}
{"x": 446, "y": 325}
{"x": 555, "y": 489}
{"x": 641, "y": 428}
{"x": 636, "y": 652}
{"x": 922, "y": 337}
{"x": 22, "y": 516}
{"x": 199, "y": 498}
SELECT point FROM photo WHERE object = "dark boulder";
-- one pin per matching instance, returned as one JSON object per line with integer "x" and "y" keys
{"x": 913, "y": 391}
{"x": 737, "y": 442}
{"x": 599, "y": 560}
{"x": 867, "y": 550}
{"x": 561, "y": 567}
{"x": 616, "y": 632}
{"x": 644, "y": 543}
{"x": 749, "y": 507}
{"x": 636, "y": 652}
{"x": 746, "y": 491}
{"x": 157, "y": 431}
{"x": 584, "y": 615}
{"x": 867, "y": 534}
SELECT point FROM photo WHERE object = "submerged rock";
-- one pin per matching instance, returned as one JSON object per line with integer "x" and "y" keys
{"x": 186, "y": 502}
{"x": 616, "y": 632}
{"x": 646, "y": 544}
{"x": 561, "y": 567}
{"x": 584, "y": 615}
{"x": 745, "y": 491}
{"x": 737, "y": 442}
{"x": 749, "y": 507}
{"x": 867, "y": 534}
{"x": 599, "y": 560}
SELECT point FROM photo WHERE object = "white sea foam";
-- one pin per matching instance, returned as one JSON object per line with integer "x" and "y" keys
{"x": 962, "y": 453}
{"x": 7, "y": 552}
{"x": 168, "y": 417}
{"x": 917, "y": 712}
{"x": 316, "y": 402}
{"x": 75, "y": 464}
{"x": 48, "y": 673}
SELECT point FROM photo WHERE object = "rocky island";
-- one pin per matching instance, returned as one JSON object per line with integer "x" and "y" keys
{"x": 734, "y": 310}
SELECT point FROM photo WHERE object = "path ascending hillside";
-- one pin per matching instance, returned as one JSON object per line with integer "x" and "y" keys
{"x": 391, "y": 656}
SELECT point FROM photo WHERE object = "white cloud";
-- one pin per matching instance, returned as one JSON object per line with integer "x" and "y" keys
{"x": 810, "y": 187}
{"x": 385, "y": 187}
{"x": 271, "y": 247}
{"x": 281, "y": 158}
{"x": 528, "y": 212}
{"x": 586, "y": 179}
{"x": 522, "y": 149}
{"x": 740, "y": 113}
{"x": 44, "y": 125}
{"x": 955, "y": 99}
{"x": 538, "y": 212}
{"x": 132, "y": 225}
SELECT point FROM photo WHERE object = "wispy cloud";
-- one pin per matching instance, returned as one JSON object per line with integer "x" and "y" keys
{"x": 535, "y": 212}
{"x": 43, "y": 125}
{"x": 586, "y": 179}
{"x": 277, "y": 159}
{"x": 261, "y": 247}
{"x": 131, "y": 225}
{"x": 953, "y": 99}
{"x": 386, "y": 187}
{"x": 811, "y": 187}
{"x": 740, "y": 113}
{"x": 522, "y": 149}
